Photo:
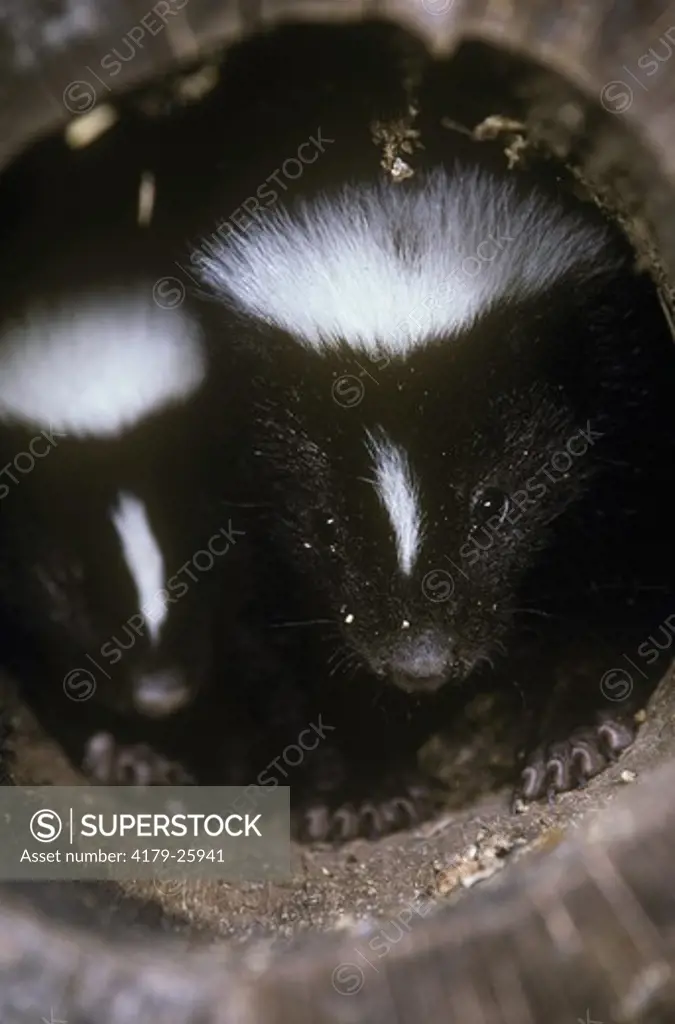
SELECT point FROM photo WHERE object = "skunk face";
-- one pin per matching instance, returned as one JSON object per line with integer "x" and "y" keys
{"x": 101, "y": 584}
{"x": 468, "y": 313}
{"x": 95, "y": 536}
{"x": 416, "y": 516}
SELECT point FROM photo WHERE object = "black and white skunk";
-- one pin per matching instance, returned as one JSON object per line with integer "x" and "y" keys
{"x": 110, "y": 544}
{"x": 454, "y": 378}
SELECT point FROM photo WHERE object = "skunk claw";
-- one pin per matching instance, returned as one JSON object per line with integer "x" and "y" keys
{"x": 109, "y": 763}
{"x": 562, "y": 766}
{"x": 372, "y": 819}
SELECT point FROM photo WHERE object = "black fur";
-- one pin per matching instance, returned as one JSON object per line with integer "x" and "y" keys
{"x": 69, "y": 600}
{"x": 581, "y": 373}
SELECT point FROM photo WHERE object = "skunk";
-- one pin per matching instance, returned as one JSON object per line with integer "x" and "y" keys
{"x": 103, "y": 504}
{"x": 458, "y": 385}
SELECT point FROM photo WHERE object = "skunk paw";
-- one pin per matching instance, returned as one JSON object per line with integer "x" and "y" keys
{"x": 401, "y": 807}
{"x": 109, "y": 763}
{"x": 559, "y": 766}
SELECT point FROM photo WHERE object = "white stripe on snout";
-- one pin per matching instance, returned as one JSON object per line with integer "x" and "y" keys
{"x": 144, "y": 559}
{"x": 399, "y": 495}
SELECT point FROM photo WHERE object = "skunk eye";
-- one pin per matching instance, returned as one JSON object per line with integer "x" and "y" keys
{"x": 490, "y": 504}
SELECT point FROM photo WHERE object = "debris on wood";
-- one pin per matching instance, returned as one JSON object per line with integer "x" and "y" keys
{"x": 84, "y": 130}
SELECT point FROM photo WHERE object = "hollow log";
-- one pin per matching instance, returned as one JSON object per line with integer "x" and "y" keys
{"x": 584, "y": 931}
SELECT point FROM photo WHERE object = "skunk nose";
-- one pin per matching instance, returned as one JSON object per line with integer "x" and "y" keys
{"x": 160, "y": 693}
{"x": 423, "y": 664}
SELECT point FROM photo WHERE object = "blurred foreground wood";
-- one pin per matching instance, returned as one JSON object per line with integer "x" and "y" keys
{"x": 585, "y": 932}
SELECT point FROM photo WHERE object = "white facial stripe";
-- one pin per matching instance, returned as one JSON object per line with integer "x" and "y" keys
{"x": 386, "y": 268}
{"x": 97, "y": 364}
{"x": 398, "y": 493}
{"x": 144, "y": 559}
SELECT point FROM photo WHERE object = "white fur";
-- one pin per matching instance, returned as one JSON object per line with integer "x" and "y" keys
{"x": 385, "y": 268}
{"x": 399, "y": 495}
{"x": 96, "y": 364}
{"x": 144, "y": 559}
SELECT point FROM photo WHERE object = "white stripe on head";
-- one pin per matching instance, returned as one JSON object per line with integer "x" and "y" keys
{"x": 144, "y": 560}
{"x": 94, "y": 365}
{"x": 385, "y": 268}
{"x": 397, "y": 490}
